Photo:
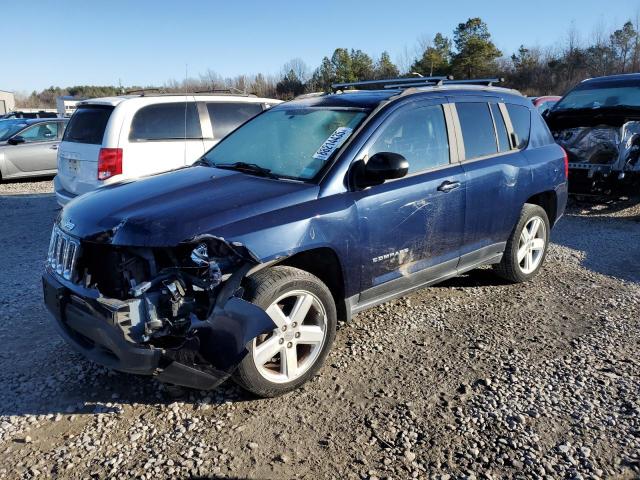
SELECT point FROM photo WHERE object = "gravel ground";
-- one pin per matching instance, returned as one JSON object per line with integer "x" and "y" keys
{"x": 469, "y": 379}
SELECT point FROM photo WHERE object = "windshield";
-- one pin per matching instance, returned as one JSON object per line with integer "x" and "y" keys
{"x": 601, "y": 95}
{"x": 10, "y": 127}
{"x": 288, "y": 142}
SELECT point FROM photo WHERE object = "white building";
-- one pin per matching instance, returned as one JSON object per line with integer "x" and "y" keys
{"x": 66, "y": 105}
{"x": 7, "y": 102}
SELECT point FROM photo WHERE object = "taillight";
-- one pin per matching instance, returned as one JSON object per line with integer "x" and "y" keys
{"x": 109, "y": 163}
{"x": 566, "y": 163}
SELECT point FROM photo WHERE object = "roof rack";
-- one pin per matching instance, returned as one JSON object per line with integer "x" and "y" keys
{"x": 410, "y": 82}
{"x": 387, "y": 81}
{"x": 161, "y": 91}
{"x": 142, "y": 91}
{"x": 227, "y": 91}
{"x": 477, "y": 81}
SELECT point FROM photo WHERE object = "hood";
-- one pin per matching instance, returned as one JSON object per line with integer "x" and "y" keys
{"x": 167, "y": 209}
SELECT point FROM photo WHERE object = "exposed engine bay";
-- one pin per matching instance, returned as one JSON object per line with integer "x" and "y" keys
{"x": 603, "y": 149}
{"x": 165, "y": 288}
{"x": 175, "y": 301}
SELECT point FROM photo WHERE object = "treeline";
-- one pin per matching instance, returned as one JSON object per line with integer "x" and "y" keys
{"x": 469, "y": 52}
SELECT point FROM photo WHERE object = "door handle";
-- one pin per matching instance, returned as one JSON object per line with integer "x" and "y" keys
{"x": 53, "y": 147}
{"x": 447, "y": 186}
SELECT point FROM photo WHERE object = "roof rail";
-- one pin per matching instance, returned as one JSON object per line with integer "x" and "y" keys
{"x": 229, "y": 91}
{"x": 162, "y": 91}
{"x": 387, "y": 81}
{"x": 409, "y": 82}
{"x": 476, "y": 81}
{"x": 142, "y": 91}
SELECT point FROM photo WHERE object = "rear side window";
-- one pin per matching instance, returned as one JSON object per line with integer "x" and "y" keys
{"x": 419, "y": 135}
{"x": 226, "y": 117}
{"x": 87, "y": 125}
{"x": 540, "y": 134}
{"x": 501, "y": 129}
{"x": 521, "y": 120}
{"x": 477, "y": 129}
{"x": 166, "y": 121}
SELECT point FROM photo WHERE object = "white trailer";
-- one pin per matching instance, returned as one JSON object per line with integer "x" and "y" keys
{"x": 66, "y": 105}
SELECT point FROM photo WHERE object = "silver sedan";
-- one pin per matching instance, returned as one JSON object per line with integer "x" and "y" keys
{"x": 28, "y": 147}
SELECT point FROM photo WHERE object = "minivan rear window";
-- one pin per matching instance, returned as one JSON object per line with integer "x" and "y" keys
{"x": 226, "y": 117}
{"x": 87, "y": 124}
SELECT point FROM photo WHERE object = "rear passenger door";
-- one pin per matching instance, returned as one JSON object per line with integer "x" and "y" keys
{"x": 411, "y": 228}
{"x": 163, "y": 136}
{"x": 496, "y": 173}
{"x": 224, "y": 117}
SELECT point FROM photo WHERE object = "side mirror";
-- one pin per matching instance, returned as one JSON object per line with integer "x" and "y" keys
{"x": 380, "y": 167}
{"x": 17, "y": 140}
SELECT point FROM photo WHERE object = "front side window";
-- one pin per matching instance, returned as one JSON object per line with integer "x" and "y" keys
{"x": 42, "y": 132}
{"x": 166, "y": 121}
{"x": 419, "y": 135}
{"x": 521, "y": 120}
{"x": 226, "y": 117}
{"x": 293, "y": 142}
{"x": 477, "y": 129}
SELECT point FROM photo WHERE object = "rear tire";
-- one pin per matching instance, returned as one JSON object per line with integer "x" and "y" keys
{"x": 527, "y": 246}
{"x": 304, "y": 312}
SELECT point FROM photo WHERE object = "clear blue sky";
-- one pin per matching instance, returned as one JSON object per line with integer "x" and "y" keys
{"x": 72, "y": 42}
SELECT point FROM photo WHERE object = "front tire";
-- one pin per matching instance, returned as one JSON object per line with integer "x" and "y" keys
{"x": 527, "y": 246}
{"x": 304, "y": 312}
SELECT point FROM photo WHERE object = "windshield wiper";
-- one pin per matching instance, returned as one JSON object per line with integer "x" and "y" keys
{"x": 248, "y": 168}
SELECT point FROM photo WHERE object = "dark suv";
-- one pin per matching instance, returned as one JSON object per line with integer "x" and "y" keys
{"x": 314, "y": 210}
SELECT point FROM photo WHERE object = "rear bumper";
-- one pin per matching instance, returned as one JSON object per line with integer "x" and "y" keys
{"x": 90, "y": 327}
{"x": 62, "y": 196}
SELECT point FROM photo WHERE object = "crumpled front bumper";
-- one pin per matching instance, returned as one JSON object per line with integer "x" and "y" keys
{"x": 208, "y": 358}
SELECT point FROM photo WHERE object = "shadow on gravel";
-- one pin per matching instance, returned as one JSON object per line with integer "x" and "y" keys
{"x": 71, "y": 385}
{"x": 610, "y": 245}
{"x": 27, "y": 180}
{"x": 482, "y": 277}
{"x": 594, "y": 205}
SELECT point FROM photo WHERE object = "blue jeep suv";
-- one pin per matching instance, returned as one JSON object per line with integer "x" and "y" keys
{"x": 314, "y": 210}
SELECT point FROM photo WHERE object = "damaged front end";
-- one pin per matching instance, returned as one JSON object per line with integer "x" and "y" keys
{"x": 602, "y": 151}
{"x": 175, "y": 313}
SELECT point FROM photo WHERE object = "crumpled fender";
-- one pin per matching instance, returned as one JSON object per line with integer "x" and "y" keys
{"x": 216, "y": 346}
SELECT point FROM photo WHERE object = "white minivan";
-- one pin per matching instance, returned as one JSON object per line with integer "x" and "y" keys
{"x": 112, "y": 139}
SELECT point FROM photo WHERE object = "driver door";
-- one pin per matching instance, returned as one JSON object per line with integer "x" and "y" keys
{"x": 412, "y": 227}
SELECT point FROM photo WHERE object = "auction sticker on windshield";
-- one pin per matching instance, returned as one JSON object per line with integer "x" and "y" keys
{"x": 331, "y": 144}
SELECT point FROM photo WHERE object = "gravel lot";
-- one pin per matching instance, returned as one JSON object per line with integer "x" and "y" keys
{"x": 469, "y": 379}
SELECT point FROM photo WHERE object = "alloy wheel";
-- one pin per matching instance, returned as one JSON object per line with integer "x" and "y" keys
{"x": 531, "y": 245}
{"x": 287, "y": 352}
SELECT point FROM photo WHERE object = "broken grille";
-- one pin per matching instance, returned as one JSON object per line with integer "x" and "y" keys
{"x": 63, "y": 253}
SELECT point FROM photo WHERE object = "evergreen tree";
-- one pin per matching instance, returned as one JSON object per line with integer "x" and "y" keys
{"x": 385, "y": 68}
{"x": 436, "y": 58}
{"x": 476, "y": 53}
